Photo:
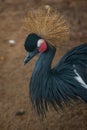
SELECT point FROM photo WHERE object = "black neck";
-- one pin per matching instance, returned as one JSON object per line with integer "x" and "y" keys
{"x": 40, "y": 76}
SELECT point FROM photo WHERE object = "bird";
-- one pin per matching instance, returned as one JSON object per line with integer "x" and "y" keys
{"x": 67, "y": 80}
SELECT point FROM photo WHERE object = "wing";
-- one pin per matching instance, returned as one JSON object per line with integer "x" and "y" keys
{"x": 78, "y": 53}
{"x": 76, "y": 57}
{"x": 69, "y": 78}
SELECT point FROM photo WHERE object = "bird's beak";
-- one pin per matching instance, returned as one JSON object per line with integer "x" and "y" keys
{"x": 29, "y": 56}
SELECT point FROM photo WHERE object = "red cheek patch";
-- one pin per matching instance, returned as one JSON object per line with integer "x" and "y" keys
{"x": 43, "y": 47}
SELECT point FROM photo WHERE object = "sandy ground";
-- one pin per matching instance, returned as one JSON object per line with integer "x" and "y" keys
{"x": 14, "y": 77}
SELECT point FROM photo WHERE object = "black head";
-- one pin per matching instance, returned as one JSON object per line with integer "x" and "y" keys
{"x": 31, "y": 42}
{"x": 34, "y": 45}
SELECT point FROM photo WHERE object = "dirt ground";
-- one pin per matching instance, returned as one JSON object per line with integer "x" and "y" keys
{"x": 14, "y": 77}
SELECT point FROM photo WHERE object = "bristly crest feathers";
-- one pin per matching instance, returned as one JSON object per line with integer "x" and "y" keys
{"x": 49, "y": 24}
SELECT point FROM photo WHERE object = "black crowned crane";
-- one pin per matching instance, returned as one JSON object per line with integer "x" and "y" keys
{"x": 68, "y": 79}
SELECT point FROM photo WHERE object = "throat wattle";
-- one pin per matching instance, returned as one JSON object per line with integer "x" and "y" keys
{"x": 43, "y": 47}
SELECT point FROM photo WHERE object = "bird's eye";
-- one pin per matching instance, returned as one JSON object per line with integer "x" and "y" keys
{"x": 42, "y": 46}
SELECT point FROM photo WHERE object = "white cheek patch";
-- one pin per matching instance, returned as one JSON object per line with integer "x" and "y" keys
{"x": 40, "y": 42}
{"x": 79, "y": 78}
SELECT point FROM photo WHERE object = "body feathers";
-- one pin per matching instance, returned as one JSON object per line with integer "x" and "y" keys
{"x": 63, "y": 82}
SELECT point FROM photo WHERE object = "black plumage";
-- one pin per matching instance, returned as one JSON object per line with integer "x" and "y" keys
{"x": 52, "y": 86}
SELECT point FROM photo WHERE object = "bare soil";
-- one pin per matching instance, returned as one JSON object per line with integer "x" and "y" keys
{"x": 14, "y": 77}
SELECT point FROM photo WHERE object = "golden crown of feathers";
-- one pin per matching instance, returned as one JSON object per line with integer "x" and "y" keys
{"x": 49, "y": 24}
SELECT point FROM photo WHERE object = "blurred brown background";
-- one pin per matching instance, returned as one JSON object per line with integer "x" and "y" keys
{"x": 14, "y": 77}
